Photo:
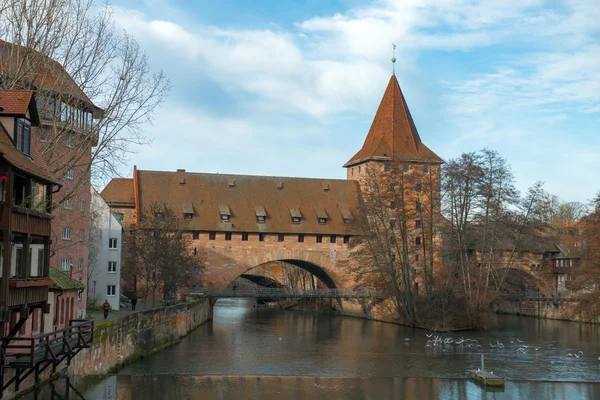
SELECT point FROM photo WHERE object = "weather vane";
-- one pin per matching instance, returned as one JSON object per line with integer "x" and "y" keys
{"x": 394, "y": 58}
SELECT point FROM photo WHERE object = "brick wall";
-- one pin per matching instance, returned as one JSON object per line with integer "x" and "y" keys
{"x": 78, "y": 189}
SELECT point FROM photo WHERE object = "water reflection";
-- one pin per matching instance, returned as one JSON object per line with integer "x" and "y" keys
{"x": 249, "y": 352}
{"x": 126, "y": 387}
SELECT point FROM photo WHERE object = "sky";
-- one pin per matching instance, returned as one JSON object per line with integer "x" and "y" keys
{"x": 289, "y": 88}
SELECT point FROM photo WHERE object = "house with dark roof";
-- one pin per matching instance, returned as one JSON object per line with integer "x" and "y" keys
{"x": 26, "y": 190}
{"x": 237, "y": 217}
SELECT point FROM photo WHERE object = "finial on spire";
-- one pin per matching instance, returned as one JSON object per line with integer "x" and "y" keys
{"x": 394, "y": 59}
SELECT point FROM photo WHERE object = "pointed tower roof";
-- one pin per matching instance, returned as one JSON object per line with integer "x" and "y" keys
{"x": 393, "y": 134}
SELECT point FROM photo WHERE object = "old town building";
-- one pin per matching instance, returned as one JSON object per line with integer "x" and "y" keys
{"x": 63, "y": 143}
{"x": 26, "y": 194}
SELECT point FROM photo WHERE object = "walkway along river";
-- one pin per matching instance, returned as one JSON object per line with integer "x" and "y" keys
{"x": 251, "y": 352}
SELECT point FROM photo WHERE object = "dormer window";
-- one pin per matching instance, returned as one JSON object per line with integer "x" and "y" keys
{"x": 322, "y": 216}
{"x": 225, "y": 213}
{"x": 160, "y": 211}
{"x": 296, "y": 215}
{"x": 261, "y": 214}
{"x": 188, "y": 211}
{"x": 23, "y": 135}
{"x": 346, "y": 214}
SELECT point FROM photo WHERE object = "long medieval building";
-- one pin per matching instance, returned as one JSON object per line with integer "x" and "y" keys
{"x": 236, "y": 217}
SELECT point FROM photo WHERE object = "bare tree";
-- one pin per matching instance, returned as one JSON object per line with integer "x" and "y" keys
{"x": 488, "y": 219}
{"x": 93, "y": 83}
{"x": 382, "y": 253}
{"x": 161, "y": 253}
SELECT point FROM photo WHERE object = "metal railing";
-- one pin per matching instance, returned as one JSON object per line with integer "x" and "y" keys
{"x": 286, "y": 293}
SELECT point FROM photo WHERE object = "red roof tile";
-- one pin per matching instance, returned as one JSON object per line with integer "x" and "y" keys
{"x": 15, "y": 102}
{"x": 209, "y": 193}
{"x": 119, "y": 192}
{"x": 393, "y": 134}
{"x": 50, "y": 75}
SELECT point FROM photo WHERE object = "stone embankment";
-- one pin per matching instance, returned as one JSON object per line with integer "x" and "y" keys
{"x": 120, "y": 341}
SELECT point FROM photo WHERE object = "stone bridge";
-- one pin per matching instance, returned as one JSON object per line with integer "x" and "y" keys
{"x": 229, "y": 259}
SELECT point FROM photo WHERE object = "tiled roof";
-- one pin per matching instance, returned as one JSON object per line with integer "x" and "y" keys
{"x": 50, "y": 74}
{"x": 20, "y": 161}
{"x": 211, "y": 194}
{"x": 63, "y": 281}
{"x": 393, "y": 134}
{"x": 119, "y": 191}
{"x": 15, "y": 102}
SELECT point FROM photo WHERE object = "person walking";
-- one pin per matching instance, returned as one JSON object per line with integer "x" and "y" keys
{"x": 234, "y": 288}
{"x": 105, "y": 308}
{"x": 133, "y": 303}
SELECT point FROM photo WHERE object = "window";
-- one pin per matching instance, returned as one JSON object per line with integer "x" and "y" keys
{"x": 82, "y": 206}
{"x": 80, "y": 265}
{"x": 426, "y": 168}
{"x": 81, "y": 235}
{"x": 346, "y": 239}
{"x": 260, "y": 218}
{"x": 296, "y": 220}
{"x": 418, "y": 206}
{"x": 322, "y": 220}
{"x": 195, "y": 235}
{"x": 406, "y": 167}
{"x": 244, "y": 237}
{"x": 112, "y": 243}
{"x": 79, "y": 294}
{"x": 70, "y": 140}
{"x": 44, "y": 135}
{"x": 70, "y": 174}
{"x": 280, "y": 237}
{"x": 19, "y": 263}
{"x": 66, "y": 264}
{"x": 416, "y": 257}
{"x": 386, "y": 167}
{"x": 418, "y": 223}
{"x": 261, "y": 237}
{"x": 418, "y": 240}
{"x": 227, "y": 235}
{"x": 224, "y": 217}
{"x": 112, "y": 267}
{"x": 418, "y": 187}
{"x": 68, "y": 203}
{"x": 160, "y": 215}
{"x": 111, "y": 290}
{"x": 300, "y": 238}
{"x": 319, "y": 238}
{"x": 23, "y": 135}
{"x": 40, "y": 262}
{"x": 212, "y": 235}
{"x": 66, "y": 233}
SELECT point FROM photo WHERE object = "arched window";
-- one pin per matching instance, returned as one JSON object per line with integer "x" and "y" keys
{"x": 72, "y": 310}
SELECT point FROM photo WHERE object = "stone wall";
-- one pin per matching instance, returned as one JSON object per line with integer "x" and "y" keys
{"x": 563, "y": 310}
{"x": 123, "y": 340}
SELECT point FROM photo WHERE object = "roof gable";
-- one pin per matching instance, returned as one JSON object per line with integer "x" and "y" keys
{"x": 393, "y": 134}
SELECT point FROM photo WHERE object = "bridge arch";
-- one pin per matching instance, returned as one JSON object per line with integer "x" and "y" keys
{"x": 521, "y": 276}
{"x": 221, "y": 271}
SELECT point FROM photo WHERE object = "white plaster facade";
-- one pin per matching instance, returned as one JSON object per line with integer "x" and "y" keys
{"x": 104, "y": 276}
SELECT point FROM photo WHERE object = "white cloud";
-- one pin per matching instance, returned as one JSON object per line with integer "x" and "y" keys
{"x": 546, "y": 67}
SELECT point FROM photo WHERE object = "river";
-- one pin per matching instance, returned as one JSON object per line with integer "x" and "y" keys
{"x": 251, "y": 352}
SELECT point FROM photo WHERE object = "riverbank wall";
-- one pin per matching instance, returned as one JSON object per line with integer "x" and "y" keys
{"x": 120, "y": 341}
{"x": 565, "y": 309}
